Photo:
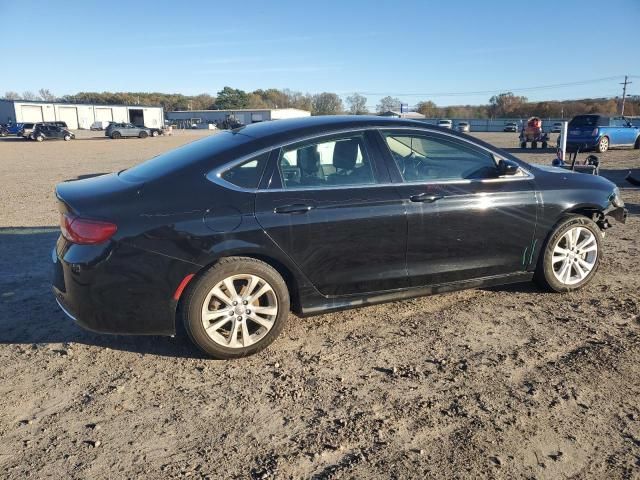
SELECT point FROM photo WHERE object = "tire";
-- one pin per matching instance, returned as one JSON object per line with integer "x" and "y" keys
{"x": 154, "y": 134}
{"x": 637, "y": 144}
{"x": 39, "y": 138}
{"x": 143, "y": 134}
{"x": 200, "y": 298}
{"x": 523, "y": 145}
{"x": 116, "y": 135}
{"x": 603, "y": 145}
{"x": 67, "y": 138}
{"x": 534, "y": 145}
{"x": 556, "y": 277}
{"x": 544, "y": 145}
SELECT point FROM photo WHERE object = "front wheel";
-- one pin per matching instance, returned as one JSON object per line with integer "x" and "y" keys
{"x": 544, "y": 145}
{"x": 67, "y": 138}
{"x": 154, "y": 133}
{"x": 603, "y": 145}
{"x": 637, "y": 144}
{"x": 39, "y": 138}
{"x": 143, "y": 134}
{"x": 571, "y": 255}
{"x": 236, "y": 308}
{"x": 116, "y": 135}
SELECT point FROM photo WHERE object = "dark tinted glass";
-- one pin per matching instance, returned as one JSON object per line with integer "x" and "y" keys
{"x": 247, "y": 174}
{"x": 588, "y": 121}
{"x": 429, "y": 158}
{"x": 191, "y": 153}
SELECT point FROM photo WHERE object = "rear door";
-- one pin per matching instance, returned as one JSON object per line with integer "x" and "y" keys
{"x": 330, "y": 207}
{"x": 464, "y": 222}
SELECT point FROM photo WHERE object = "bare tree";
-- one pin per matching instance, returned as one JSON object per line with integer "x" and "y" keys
{"x": 11, "y": 95}
{"x": 46, "y": 95}
{"x": 29, "y": 95}
{"x": 357, "y": 104}
{"x": 388, "y": 103}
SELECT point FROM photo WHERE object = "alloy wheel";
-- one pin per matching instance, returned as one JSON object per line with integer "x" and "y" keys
{"x": 574, "y": 255}
{"x": 239, "y": 311}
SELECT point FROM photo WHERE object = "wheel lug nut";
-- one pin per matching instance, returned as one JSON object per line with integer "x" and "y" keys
{"x": 239, "y": 319}
{"x": 235, "y": 303}
{"x": 248, "y": 312}
{"x": 245, "y": 302}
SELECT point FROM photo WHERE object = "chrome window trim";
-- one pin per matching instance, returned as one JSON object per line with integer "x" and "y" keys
{"x": 215, "y": 175}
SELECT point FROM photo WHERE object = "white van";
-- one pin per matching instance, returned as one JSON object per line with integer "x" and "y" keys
{"x": 100, "y": 125}
{"x": 445, "y": 123}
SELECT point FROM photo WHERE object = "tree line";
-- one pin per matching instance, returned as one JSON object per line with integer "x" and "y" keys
{"x": 327, "y": 103}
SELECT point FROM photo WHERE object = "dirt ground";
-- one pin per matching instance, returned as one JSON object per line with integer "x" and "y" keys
{"x": 505, "y": 382}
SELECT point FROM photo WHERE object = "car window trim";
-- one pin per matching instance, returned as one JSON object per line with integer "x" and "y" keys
{"x": 215, "y": 175}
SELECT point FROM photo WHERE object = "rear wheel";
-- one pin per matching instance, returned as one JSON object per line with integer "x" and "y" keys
{"x": 534, "y": 145}
{"x": 39, "y": 138}
{"x": 637, "y": 144}
{"x": 154, "y": 133}
{"x": 143, "y": 134}
{"x": 67, "y": 138}
{"x": 235, "y": 309}
{"x": 523, "y": 144}
{"x": 571, "y": 255}
{"x": 544, "y": 144}
{"x": 116, "y": 135}
{"x": 603, "y": 145}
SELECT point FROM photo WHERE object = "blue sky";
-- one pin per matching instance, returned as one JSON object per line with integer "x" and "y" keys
{"x": 415, "y": 50}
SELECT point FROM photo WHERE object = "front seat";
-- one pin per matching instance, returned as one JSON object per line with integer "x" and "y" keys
{"x": 345, "y": 155}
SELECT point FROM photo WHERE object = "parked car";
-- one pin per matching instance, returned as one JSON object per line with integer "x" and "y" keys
{"x": 278, "y": 216}
{"x": 600, "y": 132}
{"x": 99, "y": 125}
{"x": 153, "y": 131}
{"x": 26, "y": 130}
{"x": 510, "y": 127}
{"x": 463, "y": 127}
{"x": 51, "y": 132}
{"x": 119, "y": 130}
{"x": 557, "y": 127}
{"x": 444, "y": 123}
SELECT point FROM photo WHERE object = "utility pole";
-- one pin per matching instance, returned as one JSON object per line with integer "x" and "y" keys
{"x": 624, "y": 92}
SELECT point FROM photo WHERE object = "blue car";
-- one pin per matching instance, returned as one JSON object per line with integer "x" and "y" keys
{"x": 599, "y": 132}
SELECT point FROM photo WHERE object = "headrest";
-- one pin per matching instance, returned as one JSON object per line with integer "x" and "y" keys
{"x": 308, "y": 159}
{"x": 345, "y": 154}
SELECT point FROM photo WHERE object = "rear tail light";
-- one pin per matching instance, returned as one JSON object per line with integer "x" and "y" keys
{"x": 594, "y": 133}
{"x": 84, "y": 231}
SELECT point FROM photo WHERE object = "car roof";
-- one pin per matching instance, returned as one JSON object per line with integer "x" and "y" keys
{"x": 324, "y": 123}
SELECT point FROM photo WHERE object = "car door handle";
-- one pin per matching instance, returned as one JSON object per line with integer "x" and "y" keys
{"x": 295, "y": 208}
{"x": 425, "y": 198}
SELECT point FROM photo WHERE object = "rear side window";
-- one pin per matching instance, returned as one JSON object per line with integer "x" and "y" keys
{"x": 326, "y": 163}
{"x": 589, "y": 121}
{"x": 247, "y": 174}
{"x": 429, "y": 158}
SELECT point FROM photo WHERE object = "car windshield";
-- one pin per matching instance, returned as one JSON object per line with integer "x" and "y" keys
{"x": 584, "y": 121}
{"x": 179, "y": 158}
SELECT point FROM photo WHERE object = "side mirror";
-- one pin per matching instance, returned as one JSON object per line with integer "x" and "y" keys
{"x": 507, "y": 167}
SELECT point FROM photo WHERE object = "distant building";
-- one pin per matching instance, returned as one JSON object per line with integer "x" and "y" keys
{"x": 78, "y": 115}
{"x": 410, "y": 115}
{"x": 245, "y": 116}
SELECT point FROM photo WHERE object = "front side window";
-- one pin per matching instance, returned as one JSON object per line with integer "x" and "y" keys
{"x": 426, "y": 158}
{"x": 339, "y": 161}
{"x": 247, "y": 174}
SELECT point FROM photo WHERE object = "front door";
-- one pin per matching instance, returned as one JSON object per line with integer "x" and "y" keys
{"x": 327, "y": 208}
{"x": 464, "y": 222}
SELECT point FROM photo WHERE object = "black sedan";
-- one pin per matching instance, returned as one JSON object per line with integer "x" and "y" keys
{"x": 230, "y": 233}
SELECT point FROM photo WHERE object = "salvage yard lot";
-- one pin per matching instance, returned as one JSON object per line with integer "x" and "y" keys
{"x": 504, "y": 382}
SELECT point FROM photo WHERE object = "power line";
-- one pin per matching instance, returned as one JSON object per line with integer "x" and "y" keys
{"x": 489, "y": 92}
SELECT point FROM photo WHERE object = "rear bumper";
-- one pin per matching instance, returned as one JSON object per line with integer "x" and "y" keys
{"x": 582, "y": 144}
{"x": 114, "y": 288}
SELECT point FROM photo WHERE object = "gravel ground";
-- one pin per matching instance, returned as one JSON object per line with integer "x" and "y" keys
{"x": 505, "y": 382}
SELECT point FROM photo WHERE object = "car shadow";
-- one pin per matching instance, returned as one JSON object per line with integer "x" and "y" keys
{"x": 619, "y": 176}
{"x": 29, "y": 313}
